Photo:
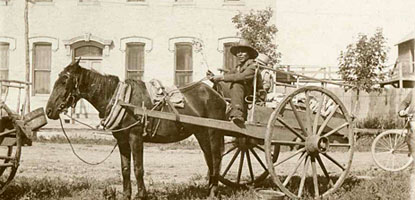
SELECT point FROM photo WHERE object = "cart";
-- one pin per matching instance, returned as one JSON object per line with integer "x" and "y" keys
{"x": 390, "y": 149}
{"x": 305, "y": 143}
{"x": 15, "y": 130}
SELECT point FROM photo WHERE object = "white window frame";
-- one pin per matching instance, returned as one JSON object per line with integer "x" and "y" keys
{"x": 140, "y": 71}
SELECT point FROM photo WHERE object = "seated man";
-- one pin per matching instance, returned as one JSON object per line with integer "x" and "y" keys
{"x": 406, "y": 108}
{"x": 239, "y": 79}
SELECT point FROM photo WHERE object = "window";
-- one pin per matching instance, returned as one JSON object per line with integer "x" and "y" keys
{"x": 88, "y": 51}
{"x": 4, "y": 2}
{"x": 183, "y": 1}
{"x": 4, "y": 60}
{"x": 184, "y": 64}
{"x": 43, "y": 0}
{"x": 229, "y": 60}
{"x": 136, "y": 0}
{"x": 234, "y": 2}
{"x": 41, "y": 68}
{"x": 88, "y": 2}
{"x": 134, "y": 61}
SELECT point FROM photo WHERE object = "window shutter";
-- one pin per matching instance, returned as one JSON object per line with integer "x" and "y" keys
{"x": 184, "y": 64}
{"x": 41, "y": 68}
{"x": 4, "y": 60}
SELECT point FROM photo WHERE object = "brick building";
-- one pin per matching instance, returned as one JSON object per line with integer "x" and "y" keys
{"x": 141, "y": 39}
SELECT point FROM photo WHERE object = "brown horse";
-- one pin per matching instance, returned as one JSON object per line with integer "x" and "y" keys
{"x": 75, "y": 82}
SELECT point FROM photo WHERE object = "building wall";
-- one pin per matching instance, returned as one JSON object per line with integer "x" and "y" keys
{"x": 406, "y": 56}
{"x": 155, "y": 21}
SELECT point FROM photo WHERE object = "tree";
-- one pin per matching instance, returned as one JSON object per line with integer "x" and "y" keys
{"x": 362, "y": 64}
{"x": 254, "y": 27}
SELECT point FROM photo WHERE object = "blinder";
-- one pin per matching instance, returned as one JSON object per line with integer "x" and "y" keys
{"x": 71, "y": 91}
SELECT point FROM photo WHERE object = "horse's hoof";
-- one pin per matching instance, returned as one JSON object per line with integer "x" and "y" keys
{"x": 126, "y": 197}
{"x": 140, "y": 197}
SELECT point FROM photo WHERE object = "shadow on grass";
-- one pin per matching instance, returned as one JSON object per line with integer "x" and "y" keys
{"x": 374, "y": 185}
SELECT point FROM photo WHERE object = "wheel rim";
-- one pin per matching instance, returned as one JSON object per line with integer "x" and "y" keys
{"x": 324, "y": 131}
{"x": 244, "y": 162}
{"x": 10, "y": 161}
{"x": 390, "y": 151}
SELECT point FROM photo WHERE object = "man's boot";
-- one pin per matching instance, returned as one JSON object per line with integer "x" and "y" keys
{"x": 236, "y": 116}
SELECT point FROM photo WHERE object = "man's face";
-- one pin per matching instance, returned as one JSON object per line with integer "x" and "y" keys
{"x": 242, "y": 55}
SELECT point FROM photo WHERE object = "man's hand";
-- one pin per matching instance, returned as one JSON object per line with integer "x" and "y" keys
{"x": 209, "y": 73}
{"x": 217, "y": 78}
{"x": 214, "y": 78}
{"x": 402, "y": 113}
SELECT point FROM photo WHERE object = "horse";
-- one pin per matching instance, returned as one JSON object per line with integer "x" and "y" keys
{"x": 76, "y": 82}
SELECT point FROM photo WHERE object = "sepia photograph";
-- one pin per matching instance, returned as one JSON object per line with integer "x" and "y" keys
{"x": 207, "y": 99}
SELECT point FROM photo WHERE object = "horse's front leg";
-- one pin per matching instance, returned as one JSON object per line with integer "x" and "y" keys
{"x": 125, "y": 154}
{"x": 137, "y": 147}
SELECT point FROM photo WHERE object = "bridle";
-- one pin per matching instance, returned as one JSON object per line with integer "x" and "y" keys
{"x": 70, "y": 95}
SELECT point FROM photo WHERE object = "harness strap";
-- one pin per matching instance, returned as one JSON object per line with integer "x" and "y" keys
{"x": 117, "y": 113}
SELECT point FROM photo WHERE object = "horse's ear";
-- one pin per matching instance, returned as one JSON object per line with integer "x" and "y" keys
{"x": 79, "y": 59}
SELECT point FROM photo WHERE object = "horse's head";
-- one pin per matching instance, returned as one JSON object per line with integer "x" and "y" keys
{"x": 65, "y": 91}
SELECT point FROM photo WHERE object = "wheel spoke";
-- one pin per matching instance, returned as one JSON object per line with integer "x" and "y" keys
{"x": 302, "y": 183}
{"x": 326, "y": 121}
{"x": 288, "y": 178}
{"x": 260, "y": 148}
{"x": 251, "y": 172}
{"x": 231, "y": 149}
{"x": 384, "y": 150}
{"x": 241, "y": 164}
{"x": 231, "y": 163}
{"x": 297, "y": 116}
{"x": 307, "y": 111}
{"x": 340, "y": 145}
{"x": 336, "y": 129}
{"x": 315, "y": 181}
{"x": 333, "y": 160}
{"x": 323, "y": 168}
{"x": 287, "y": 142}
{"x": 390, "y": 142}
{"x": 402, "y": 144}
{"x": 258, "y": 159}
{"x": 317, "y": 116}
{"x": 384, "y": 142}
{"x": 291, "y": 128}
{"x": 289, "y": 157}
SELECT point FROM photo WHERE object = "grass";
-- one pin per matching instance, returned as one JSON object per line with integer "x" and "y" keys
{"x": 379, "y": 185}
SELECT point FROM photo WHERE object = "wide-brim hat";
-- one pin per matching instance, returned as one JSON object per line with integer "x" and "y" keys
{"x": 263, "y": 59}
{"x": 244, "y": 45}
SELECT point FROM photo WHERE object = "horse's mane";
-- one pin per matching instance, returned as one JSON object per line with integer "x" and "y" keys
{"x": 98, "y": 77}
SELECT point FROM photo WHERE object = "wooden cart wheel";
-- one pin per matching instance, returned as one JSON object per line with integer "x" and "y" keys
{"x": 248, "y": 152}
{"x": 390, "y": 150}
{"x": 315, "y": 121}
{"x": 10, "y": 151}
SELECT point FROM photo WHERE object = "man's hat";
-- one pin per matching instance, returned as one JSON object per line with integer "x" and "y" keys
{"x": 263, "y": 59}
{"x": 244, "y": 45}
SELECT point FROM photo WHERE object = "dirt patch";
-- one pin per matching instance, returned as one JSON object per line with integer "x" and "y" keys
{"x": 170, "y": 166}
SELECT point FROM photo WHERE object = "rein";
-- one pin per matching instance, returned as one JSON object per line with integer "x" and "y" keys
{"x": 74, "y": 152}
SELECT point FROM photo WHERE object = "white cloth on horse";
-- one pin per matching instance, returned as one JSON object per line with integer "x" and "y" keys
{"x": 273, "y": 99}
{"x": 157, "y": 93}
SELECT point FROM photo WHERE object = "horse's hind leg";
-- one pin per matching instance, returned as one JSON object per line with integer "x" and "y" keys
{"x": 125, "y": 154}
{"x": 204, "y": 143}
{"x": 136, "y": 143}
{"x": 216, "y": 144}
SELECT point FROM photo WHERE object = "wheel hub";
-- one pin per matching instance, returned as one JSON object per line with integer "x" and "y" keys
{"x": 316, "y": 144}
{"x": 244, "y": 143}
